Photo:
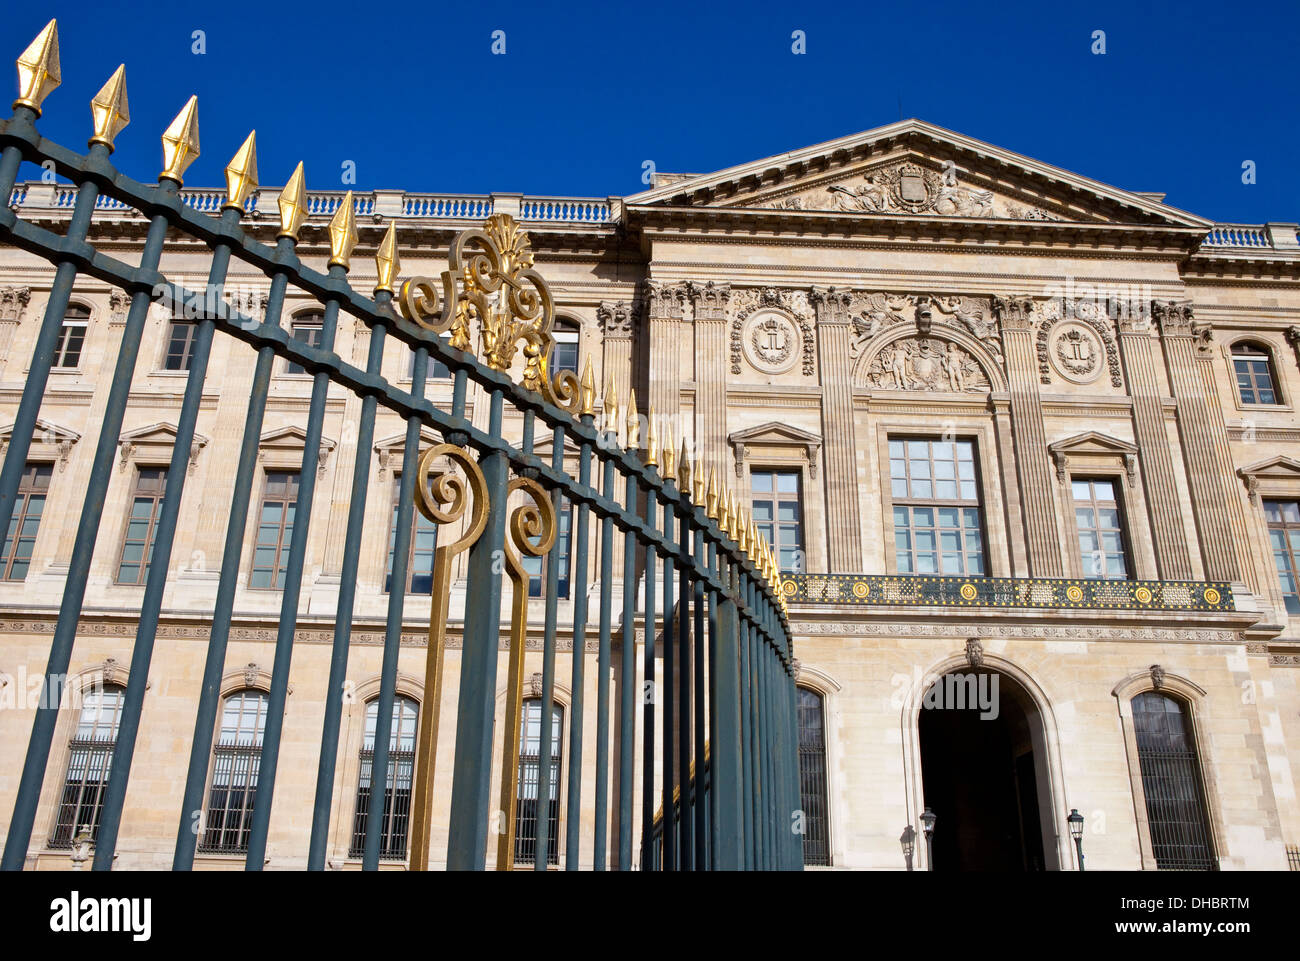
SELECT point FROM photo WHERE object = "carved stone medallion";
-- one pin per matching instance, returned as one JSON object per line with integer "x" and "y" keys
{"x": 1075, "y": 352}
{"x": 770, "y": 341}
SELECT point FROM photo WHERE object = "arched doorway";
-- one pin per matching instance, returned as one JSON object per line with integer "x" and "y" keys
{"x": 985, "y": 774}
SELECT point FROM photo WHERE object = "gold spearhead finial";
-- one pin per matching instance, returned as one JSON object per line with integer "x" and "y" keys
{"x": 684, "y": 469}
{"x": 669, "y": 457}
{"x": 343, "y": 232}
{"x": 743, "y": 539}
{"x": 633, "y": 423}
{"x": 181, "y": 141}
{"x": 108, "y": 110}
{"x": 711, "y": 495}
{"x": 293, "y": 204}
{"x": 651, "y": 441}
{"x": 734, "y": 516}
{"x": 38, "y": 68}
{"x": 724, "y": 513}
{"x": 241, "y": 173}
{"x": 588, "y": 385}
{"x": 611, "y": 405}
{"x": 387, "y": 262}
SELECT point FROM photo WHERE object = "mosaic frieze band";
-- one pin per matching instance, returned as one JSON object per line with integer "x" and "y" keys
{"x": 1007, "y": 592}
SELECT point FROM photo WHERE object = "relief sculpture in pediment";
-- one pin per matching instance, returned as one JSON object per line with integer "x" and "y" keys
{"x": 925, "y": 363}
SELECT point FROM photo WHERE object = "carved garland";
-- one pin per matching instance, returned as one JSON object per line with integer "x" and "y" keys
{"x": 1107, "y": 339}
{"x": 769, "y": 298}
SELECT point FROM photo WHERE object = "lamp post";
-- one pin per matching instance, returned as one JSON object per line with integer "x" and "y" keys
{"x": 927, "y": 825}
{"x": 1076, "y": 832}
{"x": 908, "y": 840}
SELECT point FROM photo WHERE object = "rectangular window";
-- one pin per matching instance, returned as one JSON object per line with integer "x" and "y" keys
{"x": 778, "y": 514}
{"x": 1284, "y": 541}
{"x": 536, "y": 566}
{"x": 137, "y": 545}
{"x": 274, "y": 530}
{"x": 72, "y": 337}
{"x": 437, "y": 369}
{"x": 419, "y": 560}
{"x": 530, "y": 764}
{"x": 938, "y": 528}
{"x": 1254, "y": 375}
{"x": 305, "y": 331}
{"x": 1102, "y": 552}
{"x": 20, "y": 537}
{"x": 180, "y": 344}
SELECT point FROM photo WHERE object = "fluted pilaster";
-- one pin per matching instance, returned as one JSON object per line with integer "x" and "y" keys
{"x": 834, "y": 335}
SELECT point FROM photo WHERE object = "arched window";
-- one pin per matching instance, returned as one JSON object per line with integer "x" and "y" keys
{"x": 72, "y": 336}
{"x": 394, "y": 828}
{"x": 1171, "y": 781}
{"x": 89, "y": 758}
{"x": 236, "y": 757}
{"x": 1252, "y": 365}
{"x": 526, "y": 808}
{"x": 812, "y": 778}
{"x": 564, "y": 356}
{"x": 306, "y": 328}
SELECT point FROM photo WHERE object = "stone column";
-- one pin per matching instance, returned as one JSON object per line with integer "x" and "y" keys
{"x": 710, "y": 311}
{"x": 1201, "y": 434}
{"x": 834, "y": 334}
{"x": 1173, "y": 560}
{"x": 665, "y": 308}
{"x": 13, "y": 303}
{"x": 617, "y": 321}
{"x": 1042, "y": 537}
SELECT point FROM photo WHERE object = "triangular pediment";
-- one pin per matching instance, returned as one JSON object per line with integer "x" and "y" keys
{"x": 45, "y": 432}
{"x": 291, "y": 437}
{"x": 1273, "y": 468}
{"x": 157, "y": 435}
{"x": 774, "y": 433}
{"x": 1092, "y": 442}
{"x": 913, "y": 168}
{"x": 398, "y": 441}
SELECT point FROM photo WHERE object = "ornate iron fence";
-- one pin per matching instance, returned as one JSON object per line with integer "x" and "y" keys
{"x": 725, "y": 688}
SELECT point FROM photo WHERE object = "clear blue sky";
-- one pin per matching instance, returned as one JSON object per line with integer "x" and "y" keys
{"x": 412, "y": 93}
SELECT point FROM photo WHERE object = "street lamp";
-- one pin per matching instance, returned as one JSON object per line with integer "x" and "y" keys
{"x": 1076, "y": 832}
{"x": 927, "y": 825}
{"x": 908, "y": 840}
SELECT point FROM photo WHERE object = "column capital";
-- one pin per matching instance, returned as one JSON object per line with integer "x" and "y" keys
{"x": 1014, "y": 313}
{"x": 710, "y": 299}
{"x": 13, "y": 301}
{"x": 665, "y": 301}
{"x": 616, "y": 319}
{"x": 1175, "y": 319}
{"x": 831, "y": 304}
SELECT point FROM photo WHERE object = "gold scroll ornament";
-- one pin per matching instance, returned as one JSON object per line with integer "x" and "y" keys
{"x": 532, "y": 532}
{"x": 490, "y": 281}
{"x": 444, "y": 501}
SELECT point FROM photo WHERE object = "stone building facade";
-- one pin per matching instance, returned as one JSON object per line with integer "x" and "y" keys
{"x": 1011, "y": 426}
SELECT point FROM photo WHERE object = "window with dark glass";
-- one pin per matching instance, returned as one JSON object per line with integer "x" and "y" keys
{"x": 419, "y": 558}
{"x": 812, "y": 778}
{"x": 938, "y": 528}
{"x": 90, "y": 753}
{"x": 236, "y": 758}
{"x": 437, "y": 369}
{"x": 307, "y": 329}
{"x": 72, "y": 336}
{"x": 536, "y": 566}
{"x": 1097, "y": 516}
{"x": 778, "y": 514}
{"x": 395, "y": 825}
{"x": 564, "y": 355}
{"x": 1284, "y": 541}
{"x": 1171, "y": 781}
{"x": 1253, "y": 366}
{"x": 141, "y": 525}
{"x": 20, "y": 536}
{"x": 180, "y": 344}
{"x": 527, "y": 810}
{"x": 274, "y": 530}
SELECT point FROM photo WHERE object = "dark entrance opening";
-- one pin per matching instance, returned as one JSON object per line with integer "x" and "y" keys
{"x": 983, "y": 772}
